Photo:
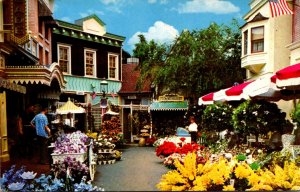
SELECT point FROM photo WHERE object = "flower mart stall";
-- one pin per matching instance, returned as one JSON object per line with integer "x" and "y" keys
{"x": 167, "y": 114}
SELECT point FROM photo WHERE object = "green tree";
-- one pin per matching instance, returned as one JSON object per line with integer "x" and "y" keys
{"x": 151, "y": 59}
{"x": 199, "y": 62}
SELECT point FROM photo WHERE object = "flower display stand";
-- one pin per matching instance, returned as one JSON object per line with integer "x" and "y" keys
{"x": 60, "y": 157}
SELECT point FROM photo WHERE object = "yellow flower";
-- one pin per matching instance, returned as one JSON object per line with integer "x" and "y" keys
{"x": 228, "y": 188}
{"x": 253, "y": 179}
{"x": 295, "y": 188}
{"x": 242, "y": 171}
{"x": 260, "y": 187}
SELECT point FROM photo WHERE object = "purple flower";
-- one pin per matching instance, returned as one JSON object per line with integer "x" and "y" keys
{"x": 28, "y": 175}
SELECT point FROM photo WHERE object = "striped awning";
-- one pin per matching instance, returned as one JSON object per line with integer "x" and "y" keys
{"x": 169, "y": 106}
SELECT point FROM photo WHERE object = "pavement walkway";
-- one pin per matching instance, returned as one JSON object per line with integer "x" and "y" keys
{"x": 139, "y": 170}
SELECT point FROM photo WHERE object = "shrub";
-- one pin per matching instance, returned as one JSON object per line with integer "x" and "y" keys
{"x": 217, "y": 117}
{"x": 258, "y": 117}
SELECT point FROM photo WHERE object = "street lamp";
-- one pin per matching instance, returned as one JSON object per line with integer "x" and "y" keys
{"x": 104, "y": 89}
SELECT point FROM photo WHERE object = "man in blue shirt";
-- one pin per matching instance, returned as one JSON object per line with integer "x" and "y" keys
{"x": 40, "y": 123}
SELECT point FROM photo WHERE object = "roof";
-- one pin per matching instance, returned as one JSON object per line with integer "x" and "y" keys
{"x": 130, "y": 76}
{"x": 169, "y": 106}
{"x": 77, "y": 28}
{"x": 93, "y": 16}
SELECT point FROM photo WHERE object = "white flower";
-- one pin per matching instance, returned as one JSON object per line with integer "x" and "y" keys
{"x": 28, "y": 175}
{"x": 16, "y": 186}
{"x": 266, "y": 112}
{"x": 223, "y": 113}
{"x": 259, "y": 151}
{"x": 249, "y": 161}
{"x": 248, "y": 151}
{"x": 228, "y": 155}
{"x": 254, "y": 113}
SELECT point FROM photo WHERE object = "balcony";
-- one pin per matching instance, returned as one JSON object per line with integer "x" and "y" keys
{"x": 254, "y": 62}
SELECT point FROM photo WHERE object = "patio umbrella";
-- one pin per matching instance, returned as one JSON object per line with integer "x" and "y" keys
{"x": 236, "y": 93}
{"x": 289, "y": 77}
{"x": 264, "y": 88}
{"x": 220, "y": 95}
{"x": 206, "y": 99}
{"x": 70, "y": 107}
{"x": 110, "y": 112}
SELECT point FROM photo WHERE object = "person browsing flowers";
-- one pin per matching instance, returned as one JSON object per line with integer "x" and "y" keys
{"x": 193, "y": 129}
{"x": 40, "y": 123}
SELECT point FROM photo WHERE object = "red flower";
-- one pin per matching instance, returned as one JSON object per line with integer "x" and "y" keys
{"x": 166, "y": 149}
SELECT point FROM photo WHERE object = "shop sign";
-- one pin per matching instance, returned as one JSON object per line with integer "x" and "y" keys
{"x": 171, "y": 97}
{"x": 19, "y": 33}
{"x": 12, "y": 86}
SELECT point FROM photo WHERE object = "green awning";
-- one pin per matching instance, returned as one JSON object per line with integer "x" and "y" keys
{"x": 169, "y": 106}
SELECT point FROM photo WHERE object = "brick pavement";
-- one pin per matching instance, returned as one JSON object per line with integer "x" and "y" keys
{"x": 139, "y": 170}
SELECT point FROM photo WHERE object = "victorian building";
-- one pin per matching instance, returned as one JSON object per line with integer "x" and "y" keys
{"x": 91, "y": 61}
{"x": 27, "y": 73}
{"x": 269, "y": 42}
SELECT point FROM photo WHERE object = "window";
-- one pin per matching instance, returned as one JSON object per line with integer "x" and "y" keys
{"x": 41, "y": 50}
{"x": 257, "y": 39}
{"x": 47, "y": 57}
{"x": 47, "y": 33}
{"x": 245, "y": 42}
{"x": 90, "y": 63}
{"x": 34, "y": 48}
{"x": 2, "y": 61}
{"x": 40, "y": 26}
{"x": 113, "y": 66}
{"x": 64, "y": 58}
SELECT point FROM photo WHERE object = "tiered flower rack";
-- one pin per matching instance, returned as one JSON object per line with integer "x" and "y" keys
{"x": 106, "y": 156}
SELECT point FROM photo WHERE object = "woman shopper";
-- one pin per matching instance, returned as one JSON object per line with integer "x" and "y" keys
{"x": 193, "y": 129}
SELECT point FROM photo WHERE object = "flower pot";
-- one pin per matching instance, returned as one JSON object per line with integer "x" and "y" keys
{"x": 142, "y": 142}
{"x": 287, "y": 140}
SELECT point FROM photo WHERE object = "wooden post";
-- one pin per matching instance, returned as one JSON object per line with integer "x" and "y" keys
{"x": 4, "y": 153}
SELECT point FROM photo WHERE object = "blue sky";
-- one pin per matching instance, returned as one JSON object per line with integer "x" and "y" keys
{"x": 161, "y": 20}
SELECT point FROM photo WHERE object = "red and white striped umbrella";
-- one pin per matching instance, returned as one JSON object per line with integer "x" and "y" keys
{"x": 263, "y": 88}
{"x": 206, "y": 99}
{"x": 236, "y": 93}
{"x": 289, "y": 77}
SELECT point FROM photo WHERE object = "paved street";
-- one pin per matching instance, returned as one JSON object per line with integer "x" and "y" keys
{"x": 139, "y": 170}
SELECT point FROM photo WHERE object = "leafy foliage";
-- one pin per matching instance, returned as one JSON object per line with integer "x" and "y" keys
{"x": 200, "y": 61}
{"x": 295, "y": 115}
{"x": 258, "y": 117}
{"x": 217, "y": 117}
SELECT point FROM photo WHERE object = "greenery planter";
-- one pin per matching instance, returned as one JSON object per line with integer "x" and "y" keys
{"x": 287, "y": 140}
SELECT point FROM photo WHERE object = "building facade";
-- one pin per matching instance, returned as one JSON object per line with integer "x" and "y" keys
{"x": 27, "y": 73}
{"x": 91, "y": 61}
{"x": 270, "y": 43}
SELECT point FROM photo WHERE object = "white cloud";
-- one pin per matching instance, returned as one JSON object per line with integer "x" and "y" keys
{"x": 160, "y": 1}
{"x": 205, "y": 6}
{"x": 67, "y": 19}
{"x": 108, "y": 2}
{"x": 83, "y": 15}
{"x": 90, "y": 12}
{"x": 160, "y": 32}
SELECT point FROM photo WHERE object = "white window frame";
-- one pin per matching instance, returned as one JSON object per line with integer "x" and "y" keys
{"x": 69, "y": 57}
{"x": 94, "y": 62}
{"x": 117, "y": 66}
